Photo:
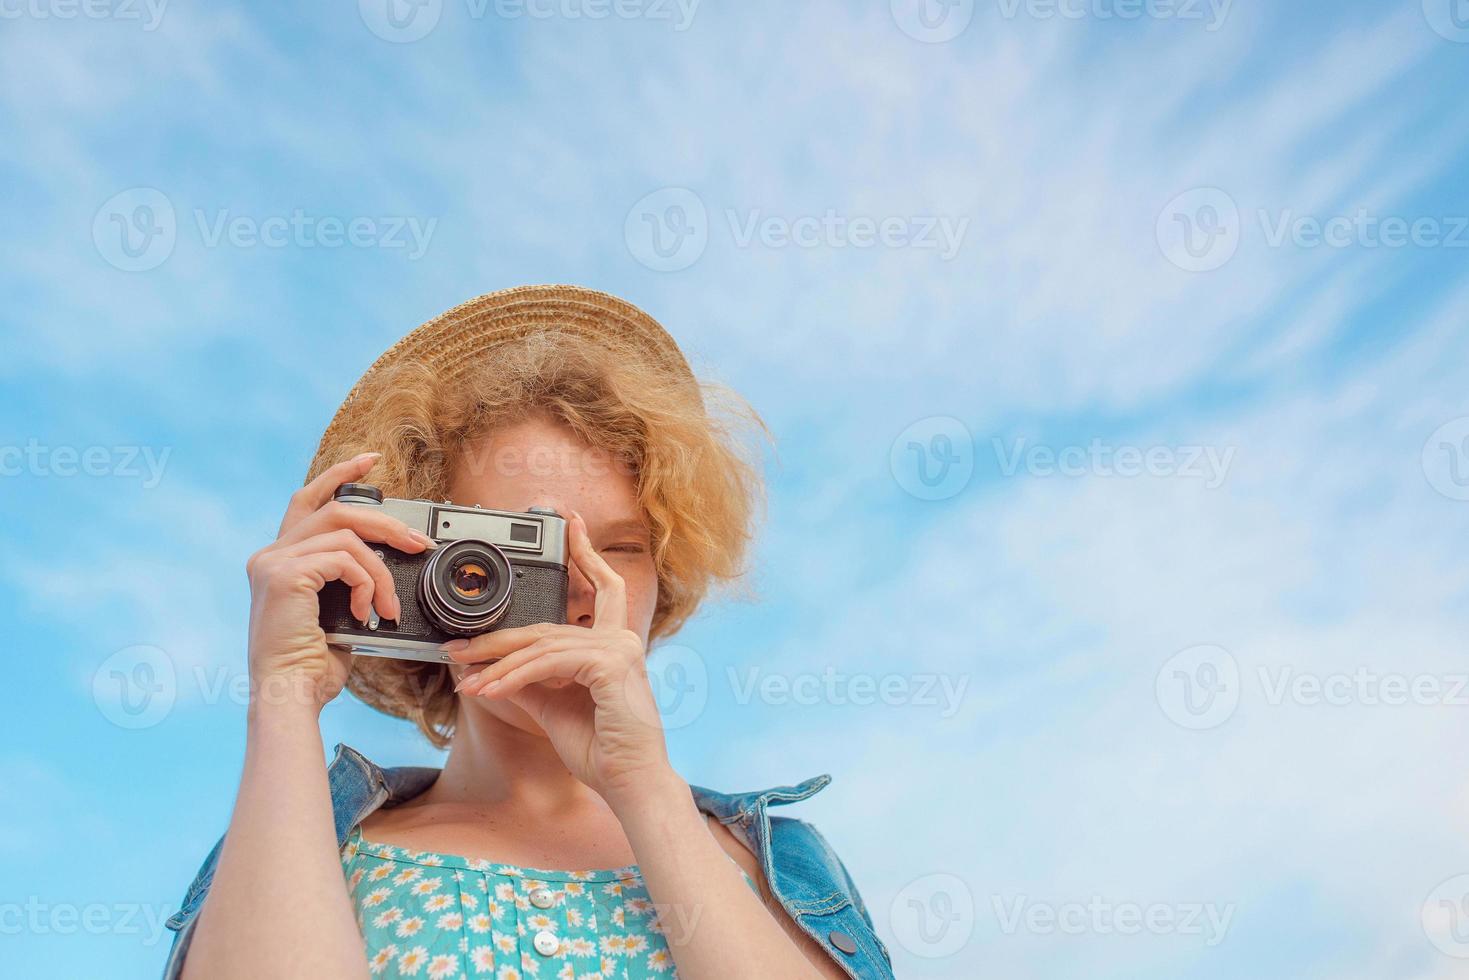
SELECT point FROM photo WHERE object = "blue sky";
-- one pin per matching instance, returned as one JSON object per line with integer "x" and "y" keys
{"x": 1115, "y": 354}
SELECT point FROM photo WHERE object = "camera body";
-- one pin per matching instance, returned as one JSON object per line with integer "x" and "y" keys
{"x": 492, "y": 570}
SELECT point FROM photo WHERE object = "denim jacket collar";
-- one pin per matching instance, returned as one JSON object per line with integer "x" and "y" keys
{"x": 402, "y": 783}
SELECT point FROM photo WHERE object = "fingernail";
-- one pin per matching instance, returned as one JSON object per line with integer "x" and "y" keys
{"x": 364, "y": 457}
{"x": 469, "y": 676}
{"x": 428, "y": 543}
{"x": 454, "y": 646}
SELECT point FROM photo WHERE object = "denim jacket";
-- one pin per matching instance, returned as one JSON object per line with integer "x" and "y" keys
{"x": 804, "y": 873}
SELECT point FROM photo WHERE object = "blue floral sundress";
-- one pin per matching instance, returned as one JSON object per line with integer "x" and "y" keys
{"x": 430, "y": 915}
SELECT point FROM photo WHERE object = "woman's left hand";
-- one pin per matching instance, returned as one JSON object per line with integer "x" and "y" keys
{"x": 587, "y": 688}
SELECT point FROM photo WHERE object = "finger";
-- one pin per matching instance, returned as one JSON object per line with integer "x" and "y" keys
{"x": 339, "y": 566}
{"x": 313, "y": 495}
{"x": 609, "y": 608}
{"x": 384, "y": 589}
{"x": 369, "y": 523}
{"x": 561, "y": 664}
{"x": 494, "y": 671}
{"x": 502, "y": 643}
{"x": 533, "y": 699}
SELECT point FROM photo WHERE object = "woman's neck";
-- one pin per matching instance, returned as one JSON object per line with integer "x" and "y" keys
{"x": 495, "y": 764}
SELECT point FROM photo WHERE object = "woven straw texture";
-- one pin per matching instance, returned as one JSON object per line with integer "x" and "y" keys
{"x": 452, "y": 343}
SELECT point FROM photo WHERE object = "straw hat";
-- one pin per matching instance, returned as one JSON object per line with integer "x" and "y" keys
{"x": 452, "y": 342}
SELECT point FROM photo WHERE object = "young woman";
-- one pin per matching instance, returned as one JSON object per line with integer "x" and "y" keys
{"x": 557, "y": 841}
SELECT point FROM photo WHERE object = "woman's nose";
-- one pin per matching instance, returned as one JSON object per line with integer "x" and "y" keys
{"x": 581, "y": 599}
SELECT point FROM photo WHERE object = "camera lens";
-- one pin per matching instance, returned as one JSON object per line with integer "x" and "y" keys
{"x": 464, "y": 587}
{"x": 470, "y": 579}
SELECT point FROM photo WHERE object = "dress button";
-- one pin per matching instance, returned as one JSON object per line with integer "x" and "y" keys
{"x": 542, "y": 898}
{"x": 843, "y": 942}
{"x": 546, "y": 943}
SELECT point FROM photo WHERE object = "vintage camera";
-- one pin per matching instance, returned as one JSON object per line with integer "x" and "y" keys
{"x": 493, "y": 569}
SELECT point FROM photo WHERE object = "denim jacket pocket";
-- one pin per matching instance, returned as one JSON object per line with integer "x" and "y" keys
{"x": 815, "y": 889}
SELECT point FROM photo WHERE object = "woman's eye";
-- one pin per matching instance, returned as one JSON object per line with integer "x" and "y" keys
{"x": 632, "y": 549}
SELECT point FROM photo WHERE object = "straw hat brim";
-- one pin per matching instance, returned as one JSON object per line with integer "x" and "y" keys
{"x": 452, "y": 343}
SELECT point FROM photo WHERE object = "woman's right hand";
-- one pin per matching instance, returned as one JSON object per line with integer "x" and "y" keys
{"x": 320, "y": 541}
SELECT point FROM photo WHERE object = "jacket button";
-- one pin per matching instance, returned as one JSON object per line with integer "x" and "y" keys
{"x": 843, "y": 942}
{"x": 546, "y": 943}
{"x": 542, "y": 898}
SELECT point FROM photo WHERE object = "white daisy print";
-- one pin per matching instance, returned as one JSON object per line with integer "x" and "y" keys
{"x": 382, "y": 958}
{"x": 444, "y": 917}
{"x": 483, "y": 959}
{"x": 443, "y": 965}
{"x": 412, "y": 961}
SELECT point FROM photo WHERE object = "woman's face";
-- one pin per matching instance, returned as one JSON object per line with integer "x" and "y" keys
{"x": 542, "y": 463}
